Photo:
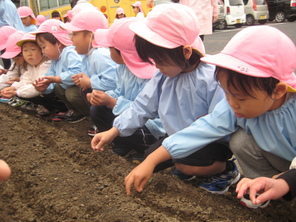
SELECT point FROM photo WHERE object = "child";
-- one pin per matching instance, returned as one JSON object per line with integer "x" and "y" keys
{"x": 137, "y": 8}
{"x": 132, "y": 75}
{"x": 8, "y": 12}
{"x": 259, "y": 107}
{"x": 182, "y": 90}
{"x": 56, "y": 15}
{"x": 120, "y": 13}
{"x": 65, "y": 62}
{"x": 68, "y": 16}
{"x": 28, "y": 18}
{"x": 12, "y": 51}
{"x": 98, "y": 69}
{"x": 40, "y": 19}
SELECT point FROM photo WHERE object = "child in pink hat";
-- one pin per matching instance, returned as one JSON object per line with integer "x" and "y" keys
{"x": 16, "y": 69}
{"x": 258, "y": 112}
{"x": 182, "y": 89}
{"x": 132, "y": 76}
{"x": 138, "y": 10}
{"x": 5, "y": 32}
{"x": 40, "y": 19}
{"x": 98, "y": 69}
{"x": 120, "y": 13}
{"x": 65, "y": 62}
{"x": 28, "y": 18}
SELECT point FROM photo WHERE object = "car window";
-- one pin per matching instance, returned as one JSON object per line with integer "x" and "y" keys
{"x": 236, "y": 2}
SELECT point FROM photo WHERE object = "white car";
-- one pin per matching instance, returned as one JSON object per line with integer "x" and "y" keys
{"x": 256, "y": 10}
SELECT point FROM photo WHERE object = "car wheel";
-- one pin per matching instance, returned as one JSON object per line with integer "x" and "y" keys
{"x": 280, "y": 17}
{"x": 238, "y": 25}
{"x": 262, "y": 21}
{"x": 250, "y": 20}
{"x": 222, "y": 25}
{"x": 291, "y": 19}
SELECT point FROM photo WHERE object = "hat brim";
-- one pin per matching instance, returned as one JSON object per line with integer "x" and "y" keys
{"x": 2, "y": 46}
{"x": 142, "y": 70}
{"x": 20, "y": 43}
{"x": 141, "y": 29}
{"x": 70, "y": 27}
{"x": 101, "y": 39}
{"x": 234, "y": 64}
{"x": 10, "y": 55}
{"x": 63, "y": 39}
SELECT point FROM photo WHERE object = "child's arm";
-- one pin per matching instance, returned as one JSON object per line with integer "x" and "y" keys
{"x": 101, "y": 139}
{"x": 139, "y": 176}
{"x": 8, "y": 92}
{"x": 3, "y": 71}
{"x": 99, "y": 98}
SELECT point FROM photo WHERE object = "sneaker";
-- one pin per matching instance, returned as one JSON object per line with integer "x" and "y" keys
{"x": 122, "y": 151}
{"x": 179, "y": 175}
{"x": 11, "y": 100}
{"x": 138, "y": 158}
{"x": 75, "y": 119}
{"x": 29, "y": 106}
{"x": 62, "y": 115}
{"x": 43, "y": 112}
{"x": 246, "y": 201}
{"x": 4, "y": 100}
{"x": 93, "y": 130}
{"x": 220, "y": 183}
{"x": 18, "y": 102}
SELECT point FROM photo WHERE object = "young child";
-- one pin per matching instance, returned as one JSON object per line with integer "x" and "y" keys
{"x": 65, "y": 62}
{"x": 137, "y": 8}
{"x": 132, "y": 75}
{"x": 98, "y": 69}
{"x": 68, "y": 16}
{"x": 120, "y": 13}
{"x": 40, "y": 19}
{"x": 12, "y": 51}
{"x": 182, "y": 90}
{"x": 56, "y": 15}
{"x": 28, "y": 18}
{"x": 259, "y": 109}
{"x": 36, "y": 65}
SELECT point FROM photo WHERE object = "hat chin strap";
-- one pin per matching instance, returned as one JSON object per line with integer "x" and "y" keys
{"x": 59, "y": 50}
{"x": 90, "y": 43}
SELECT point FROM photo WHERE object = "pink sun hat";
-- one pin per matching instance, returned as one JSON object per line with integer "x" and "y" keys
{"x": 121, "y": 37}
{"x": 40, "y": 19}
{"x": 53, "y": 26}
{"x": 69, "y": 14}
{"x": 87, "y": 20}
{"x": 5, "y": 32}
{"x": 11, "y": 49}
{"x": 170, "y": 26}
{"x": 119, "y": 11}
{"x": 25, "y": 11}
{"x": 260, "y": 52}
{"x": 100, "y": 39}
{"x": 138, "y": 4}
{"x": 28, "y": 37}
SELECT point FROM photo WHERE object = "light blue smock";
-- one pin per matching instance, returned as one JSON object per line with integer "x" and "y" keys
{"x": 66, "y": 66}
{"x": 100, "y": 68}
{"x": 30, "y": 28}
{"x": 128, "y": 86}
{"x": 178, "y": 101}
{"x": 274, "y": 131}
{"x": 9, "y": 15}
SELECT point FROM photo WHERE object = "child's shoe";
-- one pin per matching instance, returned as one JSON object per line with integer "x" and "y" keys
{"x": 11, "y": 100}
{"x": 92, "y": 130}
{"x": 179, "y": 175}
{"x": 246, "y": 201}
{"x": 220, "y": 183}
{"x": 43, "y": 112}
{"x": 29, "y": 106}
{"x": 4, "y": 100}
{"x": 18, "y": 102}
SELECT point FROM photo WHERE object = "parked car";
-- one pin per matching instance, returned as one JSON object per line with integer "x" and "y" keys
{"x": 280, "y": 10}
{"x": 256, "y": 10}
{"x": 232, "y": 13}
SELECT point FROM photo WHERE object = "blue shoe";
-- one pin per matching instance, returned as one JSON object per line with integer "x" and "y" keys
{"x": 4, "y": 100}
{"x": 220, "y": 183}
{"x": 178, "y": 174}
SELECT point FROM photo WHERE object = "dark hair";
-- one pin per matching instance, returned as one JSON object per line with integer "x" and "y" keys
{"x": 149, "y": 52}
{"x": 246, "y": 84}
{"x": 55, "y": 14}
{"x": 117, "y": 15}
{"x": 73, "y": 3}
{"x": 48, "y": 37}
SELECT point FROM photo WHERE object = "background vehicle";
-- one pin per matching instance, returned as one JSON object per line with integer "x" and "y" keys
{"x": 256, "y": 10}
{"x": 233, "y": 13}
{"x": 107, "y": 7}
{"x": 280, "y": 10}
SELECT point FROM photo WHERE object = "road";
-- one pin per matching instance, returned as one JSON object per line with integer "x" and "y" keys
{"x": 215, "y": 43}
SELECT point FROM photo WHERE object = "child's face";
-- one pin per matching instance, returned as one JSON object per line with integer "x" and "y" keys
{"x": 245, "y": 106}
{"x": 120, "y": 16}
{"x": 27, "y": 21}
{"x": 19, "y": 60}
{"x": 136, "y": 10}
{"x": 32, "y": 53}
{"x": 50, "y": 50}
{"x": 115, "y": 56}
{"x": 168, "y": 69}
{"x": 82, "y": 41}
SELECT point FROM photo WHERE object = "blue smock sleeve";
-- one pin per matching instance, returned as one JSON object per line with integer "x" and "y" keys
{"x": 212, "y": 127}
{"x": 103, "y": 70}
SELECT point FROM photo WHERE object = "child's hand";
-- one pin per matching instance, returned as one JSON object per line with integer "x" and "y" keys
{"x": 8, "y": 92}
{"x": 85, "y": 82}
{"x": 101, "y": 139}
{"x": 40, "y": 85}
{"x": 11, "y": 81}
{"x": 100, "y": 98}
{"x": 3, "y": 71}
{"x": 138, "y": 177}
{"x": 4, "y": 170}
{"x": 76, "y": 79}
{"x": 268, "y": 188}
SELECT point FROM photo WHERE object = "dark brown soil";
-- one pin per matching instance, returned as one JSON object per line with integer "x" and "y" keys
{"x": 56, "y": 176}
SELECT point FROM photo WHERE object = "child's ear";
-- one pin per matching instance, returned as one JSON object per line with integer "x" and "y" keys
{"x": 280, "y": 90}
{"x": 187, "y": 51}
